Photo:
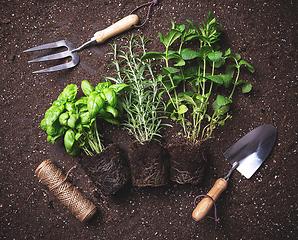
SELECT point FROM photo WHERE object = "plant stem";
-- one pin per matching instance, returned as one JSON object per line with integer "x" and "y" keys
{"x": 237, "y": 77}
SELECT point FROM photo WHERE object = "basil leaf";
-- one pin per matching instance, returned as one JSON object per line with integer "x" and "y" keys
{"x": 70, "y": 107}
{"x": 113, "y": 121}
{"x": 52, "y": 114}
{"x": 72, "y": 120}
{"x": 81, "y": 101}
{"x": 78, "y": 136}
{"x": 79, "y": 127}
{"x": 119, "y": 87}
{"x": 69, "y": 93}
{"x": 103, "y": 85}
{"x": 83, "y": 109}
{"x": 63, "y": 118}
{"x": 50, "y": 139}
{"x": 111, "y": 96}
{"x": 43, "y": 124}
{"x": 104, "y": 114}
{"x": 87, "y": 88}
{"x": 112, "y": 110}
{"x": 69, "y": 140}
{"x": 53, "y": 129}
{"x": 75, "y": 150}
{"x": 94, "y": 104}
{"x": 57, "y": 103}
{"x": 84, "y": 118}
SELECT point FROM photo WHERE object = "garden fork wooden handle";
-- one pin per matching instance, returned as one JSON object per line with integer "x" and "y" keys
{"x": 121, "y": 26}
{"x": 206, "y": 204}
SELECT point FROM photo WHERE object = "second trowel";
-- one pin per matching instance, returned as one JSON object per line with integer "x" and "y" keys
{"x": 246, "y": 156}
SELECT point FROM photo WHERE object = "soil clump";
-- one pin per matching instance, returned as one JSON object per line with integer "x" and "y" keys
{"x": 149, "y": 164}
{"x": 187, "y": 161}
{"x": 108, "y": 170}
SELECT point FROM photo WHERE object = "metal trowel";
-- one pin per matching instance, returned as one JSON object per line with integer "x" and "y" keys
{"x": 246, "y": 156}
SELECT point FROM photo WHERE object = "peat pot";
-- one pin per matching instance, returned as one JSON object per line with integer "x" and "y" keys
{"x": 187, "y": 162}
{"x": 108, "y": 170}
{"x": 149, "y": 164}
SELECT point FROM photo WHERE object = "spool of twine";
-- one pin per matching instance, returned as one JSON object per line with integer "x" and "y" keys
{"x": 53, "y": 177}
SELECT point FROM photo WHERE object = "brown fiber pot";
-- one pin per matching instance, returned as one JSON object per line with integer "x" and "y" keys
{"x": 108, "y": 170}
{"x": 149, "y": 164}
{"x": 187, "y": 162}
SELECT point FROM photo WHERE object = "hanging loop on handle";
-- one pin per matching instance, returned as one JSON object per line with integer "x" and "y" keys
{"x": 215, "y": 218}
{"x": 150, "y": 4}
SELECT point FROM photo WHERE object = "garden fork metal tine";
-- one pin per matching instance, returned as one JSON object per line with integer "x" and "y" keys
{"x": 57, "y": 44}
{"x": 99, "y": 37}
{"x": 58, "y": 67}
{"x": 51, "y": 57}
{"x": 68, "y": 53}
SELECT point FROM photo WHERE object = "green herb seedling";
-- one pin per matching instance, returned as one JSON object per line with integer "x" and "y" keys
{"x": 189, "y": 108}
{"x": 143, "y": 103}
{"x": 75, "y": 120}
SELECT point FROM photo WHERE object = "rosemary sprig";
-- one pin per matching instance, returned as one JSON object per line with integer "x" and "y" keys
{"x": 143, "y": 102}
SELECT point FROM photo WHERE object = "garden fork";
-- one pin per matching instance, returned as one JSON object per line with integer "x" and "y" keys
{"x": 99, "y": 37}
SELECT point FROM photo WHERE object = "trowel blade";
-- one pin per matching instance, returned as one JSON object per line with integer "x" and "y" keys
{"x": 252, "y": 149}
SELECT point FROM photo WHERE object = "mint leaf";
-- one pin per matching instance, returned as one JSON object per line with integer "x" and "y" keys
{"x": 171, "y": 37}
{"x": 246, "y": 87}
{"x": 169, "y": 70}
{"x": 250, "y": 68}
{"x": 215, "y": 56}
{"x": 188, "y": 54}
{"x": 155, "y": 55}
{"x": 182, "y": 109}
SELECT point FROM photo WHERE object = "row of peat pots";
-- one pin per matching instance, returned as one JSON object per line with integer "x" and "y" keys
{"x": 146, "y": 165}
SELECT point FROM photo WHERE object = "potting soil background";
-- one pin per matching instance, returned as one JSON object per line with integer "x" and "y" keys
{"x": 264, "y": 33}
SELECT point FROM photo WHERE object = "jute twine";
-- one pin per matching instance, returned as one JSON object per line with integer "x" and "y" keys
{"x": 53, "y": 177}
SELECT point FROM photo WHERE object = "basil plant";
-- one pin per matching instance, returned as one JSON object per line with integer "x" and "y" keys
{"x": 75, "y": 120}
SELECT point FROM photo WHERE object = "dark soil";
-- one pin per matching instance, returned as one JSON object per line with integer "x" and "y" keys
{"x": 264, "y": 33}
{"x": 187, "y": 161}
{"x": 149, "y": 164}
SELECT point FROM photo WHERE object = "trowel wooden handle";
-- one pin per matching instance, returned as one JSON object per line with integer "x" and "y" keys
{"x": 206, "y": 204}
{"x": 121, "y": 26}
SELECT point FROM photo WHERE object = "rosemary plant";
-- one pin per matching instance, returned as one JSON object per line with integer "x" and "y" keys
{"x": 142, "y": 103}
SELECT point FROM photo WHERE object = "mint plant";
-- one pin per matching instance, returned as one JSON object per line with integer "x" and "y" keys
{"x": 143, "y": 103}
{"x": 75, "y": 120}
{"x": 191, "y": 108}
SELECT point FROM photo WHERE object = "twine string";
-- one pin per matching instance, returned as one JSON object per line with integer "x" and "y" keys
{"x": 215, "y": 218}
{"x": 53, "y": 177}
{"x": 150, "y": 4}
